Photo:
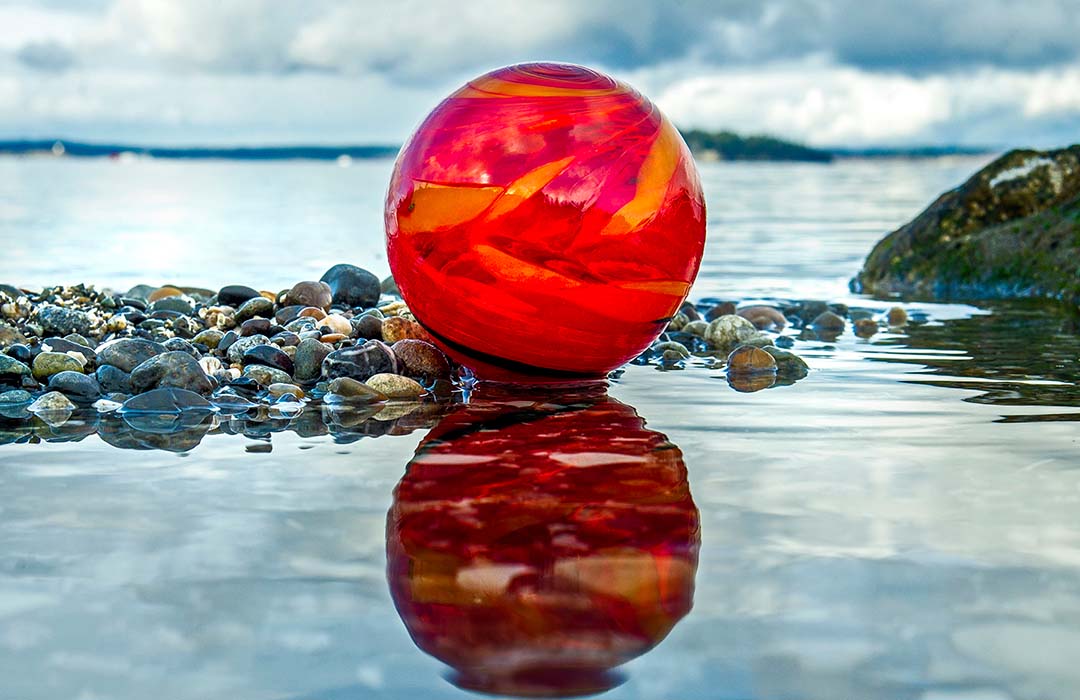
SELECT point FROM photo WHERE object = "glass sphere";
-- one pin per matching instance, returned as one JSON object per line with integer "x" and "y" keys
{"x": 545, "y": 220}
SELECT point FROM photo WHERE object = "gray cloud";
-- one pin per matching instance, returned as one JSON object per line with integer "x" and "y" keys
{"x": 48, "y": 56}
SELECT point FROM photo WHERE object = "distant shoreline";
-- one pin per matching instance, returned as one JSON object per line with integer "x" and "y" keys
{"x": 720, "y": 146}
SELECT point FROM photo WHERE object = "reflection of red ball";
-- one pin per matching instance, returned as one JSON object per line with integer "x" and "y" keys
{"x": 536, "y": 546}
{"x": 545, "y": 219}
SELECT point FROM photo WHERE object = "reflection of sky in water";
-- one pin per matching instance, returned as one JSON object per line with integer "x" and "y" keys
{"x": 874, "y": 531}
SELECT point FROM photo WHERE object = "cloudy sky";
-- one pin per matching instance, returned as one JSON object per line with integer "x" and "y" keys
{"x": 827, "y": 72}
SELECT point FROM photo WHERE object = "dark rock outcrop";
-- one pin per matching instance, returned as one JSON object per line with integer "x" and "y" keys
{"x": 1012, "y": 230}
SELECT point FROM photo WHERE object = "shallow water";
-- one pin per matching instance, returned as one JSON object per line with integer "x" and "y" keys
{"x": 899, "y": 524}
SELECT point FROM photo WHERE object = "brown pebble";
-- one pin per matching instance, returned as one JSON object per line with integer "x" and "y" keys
{"x": 421, "y": 359}
{"x": 337, "y": 323}
{"x": 747, "y": 359}
{"x": 724, "y": 308}
{"x": 866, "y": 327}
{"x": 764, "y": 317}
{"x": 268, "y": 295}
{"x": 281, "y": 389}
{"x": 397, "y": 328}
{"x": 332, "y": 338}
{"x": 897, "y": 316}
{"x": 828, "y": 321}
{"x": 395, "y": 386}
{"x": 312, "y": 312}
{"x": 163, "y": 292}
{"x": 347, "y": 387}
{"x": 310, "y": 293}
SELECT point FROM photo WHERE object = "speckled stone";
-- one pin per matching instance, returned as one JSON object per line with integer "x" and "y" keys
{"x": 395, "y": 386}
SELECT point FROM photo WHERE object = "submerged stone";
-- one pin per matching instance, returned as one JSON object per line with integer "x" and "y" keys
{"x": 168, "y": 400}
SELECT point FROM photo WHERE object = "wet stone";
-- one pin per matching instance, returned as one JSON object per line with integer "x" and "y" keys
{"x": 397, "y": 328}
{"x": 395, "y": 386}
{"x": 337, "y": 324}
{"x": 788, "y": 364}
{"x": 19, "y": 352}
{"x": 15, "y": 396}
{"x": 729, "y": 331}
{"x": 76, "y": 385}
{"x": 10, "y": 368}
{"x": 113, "y": 379}
{"x": 255, "y": 326}
{"x": 764, "y": 317}
{"x": 828, "y": 321}
{"x": 421, "y": 360}
{"x": 163, "y": 293}
{"x": 724, "y": 308}
{"x": 47, "y": 364}
{"x": 360, "y": 362}
{"x": 896, "y": 316}
{"x": 128, "y": 353}
{"x": 265, "y": 376}
{"x": 308, "y": 360}
{"x": 865, "y": 327}
{"x": 287, "y": 314}
{"x": 259, "y": 306}
{"x": 696, "y": 328}
{"x": 172, "y": 369}
{"x": 211, "y": 337}
{"x": 235, "y": 295}
{"x": 347, "y": 388}
{"x": 236, "y": 350}
{"x": 352, "y": 286}
{"x": 285, "y": 339}
{"x": 176, "y": 303}
{"x": 166, "y": 400}
{"x": 747, "y": 359}
{"x": 389, "y": 286}
{"x": 57, "y": 320}
{"x": 51, "y": 401}
{"x": 309, "y": 293}
{"x": 227, "y": 340}
{"x": 690, "y": 311}
{"x": 268, "y": 355}
{"x": 285, "y": 389}
{"x": 367, "y": 326}
{"x": 181, "y": 345}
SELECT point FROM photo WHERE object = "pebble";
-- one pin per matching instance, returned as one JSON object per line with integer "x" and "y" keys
{"x": 865, "y": 327}
{"x": 285, "y": 389}
{"x": 15, "y": 396}
{"x": 19, "y": 352}
{"x": 696, "y": 328}
{"x": 788, "y": 364}
{"x": 332, "y": 338}
{"x": 690, "y": 311}
{"x": 181, "y": 345}
{"x": 285, "y": 339}
{"x": 128, "y": 353}
{"x": 347, "y": 388}
{"x": 421, "y": 360}
{"x": 211, "y": 337}
{"x": 724, "y": 308}
{"x": 166, "y": 400}
{"x": 210, "y": 365}
{"x": 729, "y": 331}
{"x": 747, "y": 359}
{"x": 316, "y": 294}
{"x": 76, "y": 385}
{"x": 10, "y": 368}
{"x": 67, "y": 347}
{"x": 352, "y": 286}
{"x": 308, "y": 360}
{"x": 259, "y": 306}
{"x": 828, "y": 321}
{"x": 763, "y": 317}
{"x": 57, "y": 320}
{"x": 51, "y": 401}
{"x": 397, "y": 328}
{"x": 268, "y": 355}
{"x": 236, "y": 350}
{"x": 389, "y": 286}
{"x": 367, "y": 326}
{"x": 179, "y": 304}
{"x": 163, "y": 293}
{"x": 677, "y": 322}
{"x": 235, "y": 295}
{"x": 337, "y": 324}
{"x": 395, "y": 386}
{"x": 265, "y": 376}
{"x": 113, "y": 379}
{"x": 175, "y": 369}
{"x": 255, "y": 326}
{"x": 360, "y": 362}
{"x": 897, "y": 316}
{"x": 47, "y": 364}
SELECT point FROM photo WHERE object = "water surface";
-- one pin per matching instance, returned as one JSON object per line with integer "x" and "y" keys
{"x": 899, "y": 524}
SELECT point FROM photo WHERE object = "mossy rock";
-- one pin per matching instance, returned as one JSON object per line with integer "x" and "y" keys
{"x": 1012, "y": 230}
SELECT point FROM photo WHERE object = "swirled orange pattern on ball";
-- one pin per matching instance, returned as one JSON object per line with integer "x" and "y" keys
{"x": 545, "y": 219}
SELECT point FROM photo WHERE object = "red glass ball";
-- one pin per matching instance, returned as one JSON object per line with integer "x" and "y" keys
{"x": 534, "y": 546}
{"x": 545, "y": 220}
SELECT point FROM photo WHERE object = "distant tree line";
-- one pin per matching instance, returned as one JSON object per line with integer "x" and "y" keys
{"x": 727, "y": 145}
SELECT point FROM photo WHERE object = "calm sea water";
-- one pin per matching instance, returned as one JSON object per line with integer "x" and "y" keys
{"x": 900, "y": 524}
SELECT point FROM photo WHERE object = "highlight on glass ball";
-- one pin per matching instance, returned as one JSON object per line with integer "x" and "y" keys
{"x": 545, "y": 221}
